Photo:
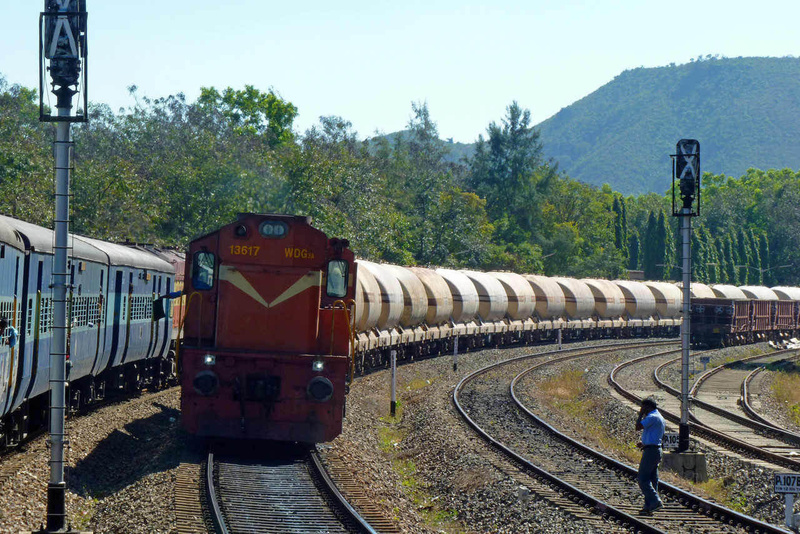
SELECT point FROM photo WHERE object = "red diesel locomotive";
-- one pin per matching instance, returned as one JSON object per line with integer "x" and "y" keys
{"x": 266, "y": 351}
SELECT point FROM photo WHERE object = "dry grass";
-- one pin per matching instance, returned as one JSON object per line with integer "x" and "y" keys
{"x": 786, "y": 387}
{"x": 721, "y": 491}
{"x": 566, "y": 393}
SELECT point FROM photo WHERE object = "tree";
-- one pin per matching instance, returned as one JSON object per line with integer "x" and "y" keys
{"x": 504, "y": 172}
{"x": 26, "y": 164}
{"x": 665, "y": 249}
{"x": 732, "y": 275}
{"x": 743, "y": 256}
{"x": 712, "y": 257}
{"x": 650, "y": 248}
{"x": 756, "y": 269}
{"x": 634, "y": 251}
{"x": 251, "y": 112}
{"x": 763, "y": 249}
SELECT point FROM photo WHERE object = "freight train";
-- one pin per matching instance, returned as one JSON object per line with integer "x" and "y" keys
{"x": 277, "y": 318}
{"x": 724, "y": 315}
{"x": 280, "y": 318}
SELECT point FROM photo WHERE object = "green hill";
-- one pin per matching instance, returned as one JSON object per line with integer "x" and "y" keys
{"x": 744, "y": 111}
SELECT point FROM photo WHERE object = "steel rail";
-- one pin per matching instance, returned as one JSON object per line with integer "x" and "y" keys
{"x": 728, "y": 441}
{"x": 687, "y": 499}
{"x": 342, "y": 503}
{"x": 748, "y": 408}
{"x": 255, "y": 481}
{"x": 597, "y": 506}
{"x": 700, "y": 429}
{"x": 753, "y": 423}
{"x": 211, "y": 495}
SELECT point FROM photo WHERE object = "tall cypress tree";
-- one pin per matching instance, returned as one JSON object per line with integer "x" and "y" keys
{"x": 624, "y": 220}
{"x": 743, "y": 253}
{"x": 766, "y": 263}
{"x": 756, "y": 270}
{"x": 722, "y": 259}
{"x": 712, "y": 257}
{"x": 730, "y": 261}
{"x": 619, "y": 233}
{"x": 649, "y": 248}
{"x": 634, "y": 251}
{"x": 665, "y": 249}
{"x": 698, "y": 257}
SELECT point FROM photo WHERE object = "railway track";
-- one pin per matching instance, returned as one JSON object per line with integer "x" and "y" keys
{"x": 750, "y": 407}
{"x": 715, "y": 418}
{"x": 723, "y": 391}
{"x": 289, "y": 492}
{"x": 602, "y": 487}
{"x": 707, "y": 427}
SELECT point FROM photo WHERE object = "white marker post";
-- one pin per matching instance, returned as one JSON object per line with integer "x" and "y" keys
{"x": 393, "y": 406}
{"x": 789, "y": 485}
{"x": 455, "y": 354}
{"x": 559, "y": 339}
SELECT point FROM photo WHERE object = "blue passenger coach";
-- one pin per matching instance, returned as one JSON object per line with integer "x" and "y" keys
{"x": 12, "y": 262}
{"x": 114, "y": 340}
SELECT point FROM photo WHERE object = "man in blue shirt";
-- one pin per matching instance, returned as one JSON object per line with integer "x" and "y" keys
{"x": 9, "y": 332}
{"x": 651, "y": 423}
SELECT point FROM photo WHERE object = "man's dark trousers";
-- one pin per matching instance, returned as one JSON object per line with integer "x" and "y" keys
{"x": 648, "y": 475}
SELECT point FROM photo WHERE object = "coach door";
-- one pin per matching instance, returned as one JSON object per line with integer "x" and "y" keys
{"x": 115, "y": 319}
{"x": 268, "y": 308}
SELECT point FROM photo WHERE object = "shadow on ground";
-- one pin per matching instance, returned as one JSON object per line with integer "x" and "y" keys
{"x": 144, "y": 446}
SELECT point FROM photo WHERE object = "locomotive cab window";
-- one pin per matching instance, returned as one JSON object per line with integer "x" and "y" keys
{"x": 203, "y": 270}
{"x": 337, "y": 278}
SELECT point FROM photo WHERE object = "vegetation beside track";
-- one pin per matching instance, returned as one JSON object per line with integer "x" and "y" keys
{"x": 786, "y": 387}
{"x": 568, "y": 393}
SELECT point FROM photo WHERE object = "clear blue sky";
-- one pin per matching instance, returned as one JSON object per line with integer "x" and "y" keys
{"x": 368, "y": 60}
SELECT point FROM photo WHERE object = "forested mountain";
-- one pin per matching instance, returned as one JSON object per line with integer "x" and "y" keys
{"x": 744, "y": 111}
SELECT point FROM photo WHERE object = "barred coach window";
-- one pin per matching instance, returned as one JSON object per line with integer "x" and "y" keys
{"x": 337, "y": 278}
{"x": 203, "y": 270}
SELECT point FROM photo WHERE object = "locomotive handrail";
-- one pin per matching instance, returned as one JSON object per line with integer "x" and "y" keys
{"x": 350, "y": 332}
{"x": 183, "y": 321}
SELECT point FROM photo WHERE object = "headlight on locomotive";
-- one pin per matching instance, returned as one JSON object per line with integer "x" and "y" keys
{"x": 320, "y": 389}
{"x": 206, "y": 383}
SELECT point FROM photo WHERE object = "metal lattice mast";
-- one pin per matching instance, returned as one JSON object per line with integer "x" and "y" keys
{"x": 62, "y": 52}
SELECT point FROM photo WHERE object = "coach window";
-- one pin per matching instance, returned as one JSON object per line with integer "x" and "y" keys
{"x": 203, "y": 270}
{"x": 337, "y": 278}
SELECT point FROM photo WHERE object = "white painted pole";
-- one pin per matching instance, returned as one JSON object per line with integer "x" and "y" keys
{"x": 393, "y": 406}
{"x": 455, "y": 354}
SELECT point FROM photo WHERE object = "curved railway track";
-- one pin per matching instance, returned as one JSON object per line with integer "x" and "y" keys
{"x": 725, "y": 388}
{"x": 600, "y": 486}
{"x": 706, "y": 427}
{"x": 716, "y": 411}
{"x": 748, "y": 406}
{"x": 287, "y": 493}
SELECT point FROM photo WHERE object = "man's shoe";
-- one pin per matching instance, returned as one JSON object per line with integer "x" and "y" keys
{"x": 645, "y": 511}
{"x": 659, "y": 506}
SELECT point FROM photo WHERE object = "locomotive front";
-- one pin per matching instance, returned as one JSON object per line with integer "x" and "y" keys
{"x": 267, "y": 331}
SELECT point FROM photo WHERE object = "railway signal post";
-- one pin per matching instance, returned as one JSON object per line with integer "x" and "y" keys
{"x": 62, "y": 53}
{"x": 686, "y": 170}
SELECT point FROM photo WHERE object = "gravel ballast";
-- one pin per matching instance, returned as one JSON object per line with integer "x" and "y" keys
{"x": 425, "y": 468}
